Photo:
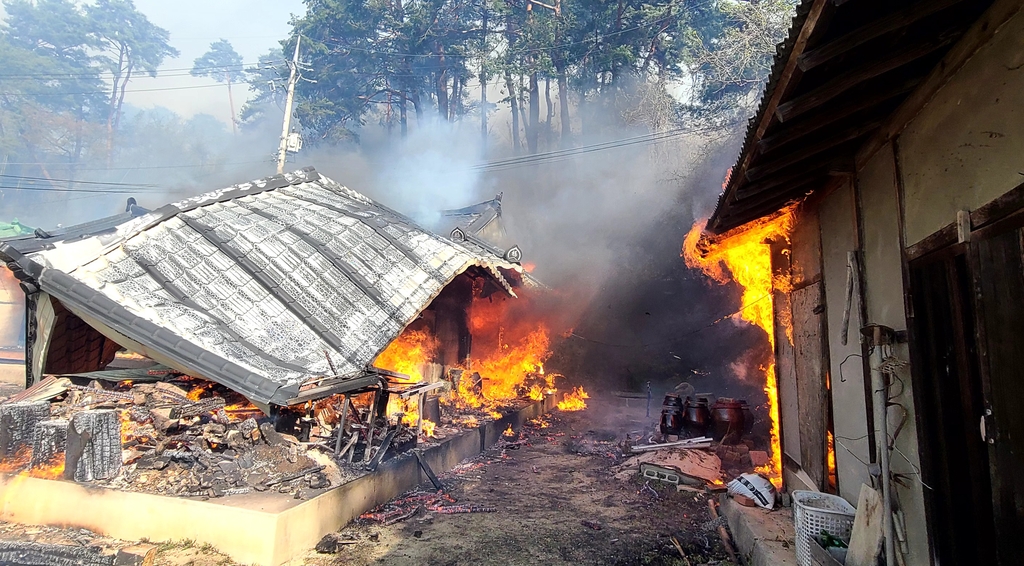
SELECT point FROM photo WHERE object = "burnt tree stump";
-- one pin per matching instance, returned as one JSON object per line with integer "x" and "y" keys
{"x": 50, "y": 440}
{"x": 18, "y": 423}
{"x": 93, "y": 446}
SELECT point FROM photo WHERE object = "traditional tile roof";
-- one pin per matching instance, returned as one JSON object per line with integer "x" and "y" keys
{"x": 254, "y": 286}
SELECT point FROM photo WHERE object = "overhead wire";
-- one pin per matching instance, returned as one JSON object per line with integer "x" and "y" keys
{"x": 56, "y": 180}
{"x": 172, "y": 72}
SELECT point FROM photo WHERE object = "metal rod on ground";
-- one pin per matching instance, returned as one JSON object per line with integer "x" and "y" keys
{"x": 648, "y": 398}
{"x": 881, "y": 406}
{"x": 341, "y": 427}
{"x": 690, "y": 442}
{"x": 722, "y": 533}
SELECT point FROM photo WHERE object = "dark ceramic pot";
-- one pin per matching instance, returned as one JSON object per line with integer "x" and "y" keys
{"x": 696, "y": 416}
{"x": 728, "y": 420}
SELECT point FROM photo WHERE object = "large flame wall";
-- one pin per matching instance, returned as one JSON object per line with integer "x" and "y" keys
{"x": 744, "y": 256}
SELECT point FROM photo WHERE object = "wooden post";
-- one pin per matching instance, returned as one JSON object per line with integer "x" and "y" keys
{"x": 18, "y": 423}
{"x": 49, "y": 441}
{"x": 94, "y": 446}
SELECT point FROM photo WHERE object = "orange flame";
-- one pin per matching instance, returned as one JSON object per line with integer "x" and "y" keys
{"x": 831, "y": 459}
{"x": 574, "y": 400}
{"x": 509, "y": 431}
{"x": 744, "y": 256}
{"x": 51, "y": 470}
{"x": 19, "y": 463}
{"x": 408, "y": 353}
{"x": 428, "y": 428}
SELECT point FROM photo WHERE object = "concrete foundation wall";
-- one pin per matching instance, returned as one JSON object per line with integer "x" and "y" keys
{"x": 964, "y": 148}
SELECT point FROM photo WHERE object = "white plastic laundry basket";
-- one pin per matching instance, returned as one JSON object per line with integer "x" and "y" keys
{"x": 814, "y": 512}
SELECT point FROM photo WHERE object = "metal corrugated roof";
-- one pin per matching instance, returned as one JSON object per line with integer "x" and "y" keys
{"x": 251, "y": 285}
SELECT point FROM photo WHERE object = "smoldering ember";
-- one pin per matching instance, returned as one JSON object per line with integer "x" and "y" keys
{"x": 511, "y": 282}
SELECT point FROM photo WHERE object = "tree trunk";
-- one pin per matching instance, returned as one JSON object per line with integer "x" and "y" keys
{"x": 511, "y": 86}
{"x": 550, "y": 108}
{"x": 510, "y": 39}
{"x": 563, "y": 101}
{"x": 403, "y": 116}
{"x": 417, "y": 107}
{"x": 534, "y": 132}
{"x": 483, "y": 79}
{"x": 441, "y": 83}
{"x": 113, "y": 105}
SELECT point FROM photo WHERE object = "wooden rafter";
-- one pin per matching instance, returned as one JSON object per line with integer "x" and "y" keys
{"x": 892, "y": 22}
{"x": 830, "y": 115}
{"x": 848, "y": 80}
{"x": 813, "y": 149}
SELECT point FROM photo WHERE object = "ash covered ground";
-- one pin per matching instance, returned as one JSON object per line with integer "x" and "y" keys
{"x": 547, "y": 495}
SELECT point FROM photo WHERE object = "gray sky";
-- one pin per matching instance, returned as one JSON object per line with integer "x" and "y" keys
{"x": 252, "y": 26}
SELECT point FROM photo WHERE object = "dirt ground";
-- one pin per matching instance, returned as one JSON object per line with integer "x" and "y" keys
{"x": 554, "y": 501}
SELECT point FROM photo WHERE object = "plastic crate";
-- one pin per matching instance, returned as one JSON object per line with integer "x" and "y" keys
{"x": 814, "y": 512}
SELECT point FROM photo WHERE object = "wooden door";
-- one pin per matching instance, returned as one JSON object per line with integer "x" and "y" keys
{"x": 949, "y": 402}
{"x": 998, "y": 262}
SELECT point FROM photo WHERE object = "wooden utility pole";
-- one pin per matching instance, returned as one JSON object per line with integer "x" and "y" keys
{"x": 282, "y": 154}
{"x": 231, "y": 103}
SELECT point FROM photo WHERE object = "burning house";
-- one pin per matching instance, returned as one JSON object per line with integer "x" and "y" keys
{"x": 873, "y": 219}
{"x": 284, "y": 335}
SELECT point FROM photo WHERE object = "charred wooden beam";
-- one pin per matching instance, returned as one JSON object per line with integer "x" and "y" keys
{"x": 94, "y": 446}
{"x": 30, "y": 553}
{"x": 848, "y": 80}
{"x": 813, "y": 149}
{"x": 897, "y": 20}
{"x": 49, "y": 442}
{"x": 18, "y": 423}
{"x": 829, "y": 115}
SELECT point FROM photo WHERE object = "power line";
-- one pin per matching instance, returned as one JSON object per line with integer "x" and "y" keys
{"x": 52, "y": 180}
{"x": 172, "y": 72}
{"x": 71, "y": 190}
{"x": 565, "y": 154}
{"x": 105, "y": 92}
{"x": 139, "y": 167}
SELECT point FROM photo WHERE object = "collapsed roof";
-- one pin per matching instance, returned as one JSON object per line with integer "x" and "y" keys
{"x": 283, "y": 289}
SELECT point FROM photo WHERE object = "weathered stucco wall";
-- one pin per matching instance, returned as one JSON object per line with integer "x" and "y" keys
{"x": 964, "y": 148}
{"x": 877, "y": 192}
{"x": 837, "y": 214}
